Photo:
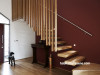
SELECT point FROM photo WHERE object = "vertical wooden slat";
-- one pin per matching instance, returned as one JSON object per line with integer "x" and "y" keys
{"x": 49, "y": 23}
{"x": 14, "y": 10}
{"x": 27, "y": 11}
{"x": 24, "y": 9}
{"x": 46, "y": 22}
{"x": 31, "y": 12}
{"x": 52, "y": 25}
{"x": 55, "y": 25}
{"x": 20, "y": 9}
{"x": 41, "y": 19}
{"x": 37, "y": 18}
{"x": 33, "y": 16}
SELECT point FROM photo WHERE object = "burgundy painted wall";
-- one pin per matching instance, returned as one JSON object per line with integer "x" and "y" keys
{"x": 86, "y": 14}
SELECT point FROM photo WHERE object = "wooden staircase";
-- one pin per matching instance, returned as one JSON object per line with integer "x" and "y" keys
{"x": 41, "y": 16}
{"x": 66, "y": 51}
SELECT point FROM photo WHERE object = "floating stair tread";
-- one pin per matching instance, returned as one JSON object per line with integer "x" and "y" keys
{"x": 63, "y": 47}
{"x": 91, "y": 66}
{"x": 61, "y": 42}
{"x": 67, "y": 53}
{"x": 75, "y": 60}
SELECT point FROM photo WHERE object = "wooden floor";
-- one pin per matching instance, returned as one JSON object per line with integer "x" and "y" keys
{"x": 25, "y": 67}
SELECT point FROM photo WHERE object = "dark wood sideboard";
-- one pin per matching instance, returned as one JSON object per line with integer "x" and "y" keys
{"x": 46, "y": 48}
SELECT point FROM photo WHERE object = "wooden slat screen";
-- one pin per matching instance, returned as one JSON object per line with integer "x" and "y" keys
{"x": 41, "y": 16}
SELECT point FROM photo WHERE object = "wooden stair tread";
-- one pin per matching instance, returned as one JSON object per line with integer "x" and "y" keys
{"x": 63, "y": 47}
{"x": 61, "y": 42}
{"x": 91, "y": 66}
{"x": 67, "y": 53}
{"x": 75, "y": 60}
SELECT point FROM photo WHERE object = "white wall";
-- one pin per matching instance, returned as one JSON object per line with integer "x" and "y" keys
{"x": 20, "y": 31}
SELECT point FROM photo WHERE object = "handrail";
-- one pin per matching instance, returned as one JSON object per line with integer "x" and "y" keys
{"x": 73, "y": 24}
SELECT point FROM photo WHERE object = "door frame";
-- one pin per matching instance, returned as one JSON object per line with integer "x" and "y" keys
{"x": 9, "y": 29}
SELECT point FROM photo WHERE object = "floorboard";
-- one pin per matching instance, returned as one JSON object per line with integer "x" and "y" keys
{"x": 25, "y": 67}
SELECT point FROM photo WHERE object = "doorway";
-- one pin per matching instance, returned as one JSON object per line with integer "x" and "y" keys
{"x": 4, "y": 38}
{"x": 1, "y": 43}
{"x": 6, "y": 42}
